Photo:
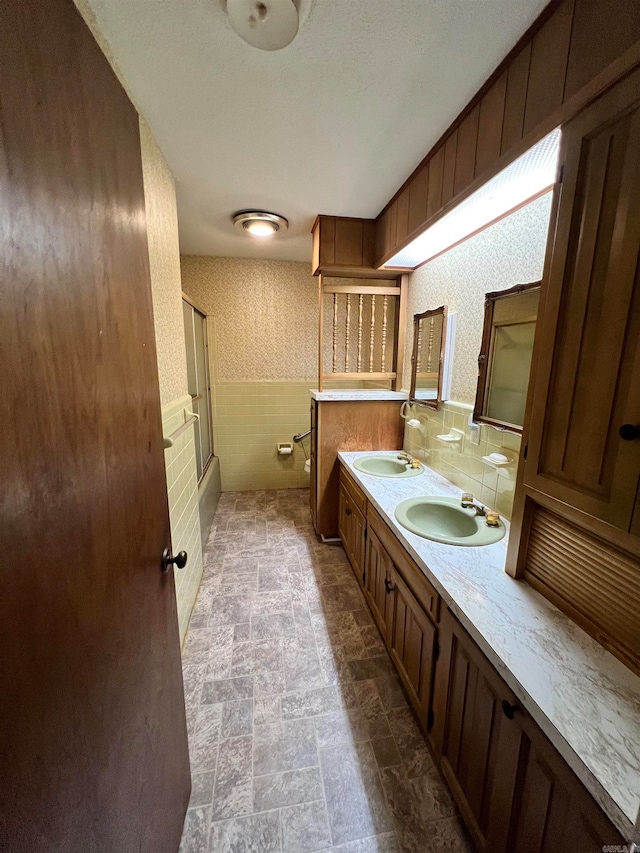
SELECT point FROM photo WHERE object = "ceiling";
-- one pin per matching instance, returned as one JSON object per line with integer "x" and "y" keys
{"x": 333, "y": 123}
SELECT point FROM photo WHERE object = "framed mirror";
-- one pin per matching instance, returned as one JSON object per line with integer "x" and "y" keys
{"x": 504, "y": 362}
{"x": 429, "y": 332}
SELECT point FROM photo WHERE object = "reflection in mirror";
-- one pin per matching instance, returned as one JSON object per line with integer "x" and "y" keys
{"x": 504, "y": 362}
{"x": 428, "y": 355}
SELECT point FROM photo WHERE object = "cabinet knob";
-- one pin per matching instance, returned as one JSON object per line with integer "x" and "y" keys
{"x": 508, "y": 709}
{"x": 388, "y": 586}
{"x": 179, "y": 561}
{"x": 629, "y": 432}
{"x": 347, "y": 511}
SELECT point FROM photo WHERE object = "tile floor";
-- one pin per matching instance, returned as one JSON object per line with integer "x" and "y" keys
{"x": 300, "y": 736}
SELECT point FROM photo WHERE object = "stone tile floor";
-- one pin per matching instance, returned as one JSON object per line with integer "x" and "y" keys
{"x": 299, "y": 734}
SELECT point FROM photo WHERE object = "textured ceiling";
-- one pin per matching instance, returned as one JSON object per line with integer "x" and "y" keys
{"x": 333, "y": 123}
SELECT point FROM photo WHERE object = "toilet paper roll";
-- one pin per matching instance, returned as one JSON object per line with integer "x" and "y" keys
{"x": 285, "y": 451}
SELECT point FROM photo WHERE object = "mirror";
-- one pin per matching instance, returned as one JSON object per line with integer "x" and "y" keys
{"x": 427, "y": 360}
{"x": 504, "y": 362}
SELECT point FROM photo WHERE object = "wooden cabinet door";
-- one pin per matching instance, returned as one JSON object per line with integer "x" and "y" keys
{"x": 352, "y": 528}
{"x": 587, "y": 381}
{"x": 550, "y": 808}
{"x": 412, "y": 643}
{"x": 515, "y": 791}
{"x": 468, "y": 733}
{"x": 379, "y": 568}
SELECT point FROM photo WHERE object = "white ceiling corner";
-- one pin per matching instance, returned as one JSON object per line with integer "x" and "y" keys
{"x": 333, "y": 123}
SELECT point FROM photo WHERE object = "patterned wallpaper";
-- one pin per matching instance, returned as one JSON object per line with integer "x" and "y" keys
{"x": 510, "y": 252}
{"x": 162, "y": 234}
{"x": 264, "y": 316}
{"x": 164, "y": 264}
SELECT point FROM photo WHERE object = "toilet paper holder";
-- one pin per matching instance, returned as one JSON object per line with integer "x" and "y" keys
{"x": 284, "y": 448}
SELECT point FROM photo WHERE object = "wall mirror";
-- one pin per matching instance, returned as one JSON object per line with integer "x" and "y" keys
{"x": 504, "y": 362}
{"x": 429, "y": 332}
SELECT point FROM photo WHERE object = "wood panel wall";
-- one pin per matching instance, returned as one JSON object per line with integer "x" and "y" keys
{"x": 571, "y": 53}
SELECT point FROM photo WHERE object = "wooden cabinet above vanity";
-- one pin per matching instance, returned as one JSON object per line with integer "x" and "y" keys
{"x": 515, "y": 790}
{"x": 576, "y": 521}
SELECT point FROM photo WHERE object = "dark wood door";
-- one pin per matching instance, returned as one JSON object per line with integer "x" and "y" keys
{"x": 377, "y": 583}
{"x": 587, "y": 383}
{"x": 412, "y": 644}
{"x": 93, "y": 749}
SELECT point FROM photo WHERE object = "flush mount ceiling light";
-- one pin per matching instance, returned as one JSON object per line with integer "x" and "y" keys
{"x": 526, "y": 178}
{"x": 259, "y": 223}
{"x": 266, "y": 24}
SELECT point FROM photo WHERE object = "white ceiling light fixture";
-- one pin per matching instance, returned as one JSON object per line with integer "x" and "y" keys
{"x": 259, "y": 223}
{"x": 532, "y": 174}
{"x": 267, "y": 24}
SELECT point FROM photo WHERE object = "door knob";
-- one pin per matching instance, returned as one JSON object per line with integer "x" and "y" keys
{"x": 628, "y": 432}
{"x": 179, "y": 561}
{"x": 348, "y": 511}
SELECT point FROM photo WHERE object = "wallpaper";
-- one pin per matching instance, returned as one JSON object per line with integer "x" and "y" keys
{"x": 264, "y": 316}
{"x": 164, "y": 267}
{"x": 510, "y": 252}
{"x": 164, "y": 264}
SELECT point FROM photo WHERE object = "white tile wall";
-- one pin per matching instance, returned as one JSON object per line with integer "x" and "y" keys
{"x": 464, "y": 466}
{"x": 182, "y": 488}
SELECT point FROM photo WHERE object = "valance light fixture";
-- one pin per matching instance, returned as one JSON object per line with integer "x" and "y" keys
{"x": 259, "y": 223}
{"x": 525, "y": 179}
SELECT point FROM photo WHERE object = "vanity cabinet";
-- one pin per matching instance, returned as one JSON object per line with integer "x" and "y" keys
{"x": 352, "y": 525}
{"x": 514, "y": 790}
{"x": 412, "y": 644}
{"x": 407, "y": 622}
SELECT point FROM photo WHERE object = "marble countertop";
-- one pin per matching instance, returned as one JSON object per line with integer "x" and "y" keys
{"x": 358, "y": 394}
{"x": 583, "y": 698}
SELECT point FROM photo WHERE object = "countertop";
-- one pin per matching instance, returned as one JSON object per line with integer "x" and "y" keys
{"x": 338, "y": 395}
{"x": 584, "y": 699}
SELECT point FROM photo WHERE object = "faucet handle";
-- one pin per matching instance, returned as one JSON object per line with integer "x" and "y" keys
{"x": 467, "y": 498}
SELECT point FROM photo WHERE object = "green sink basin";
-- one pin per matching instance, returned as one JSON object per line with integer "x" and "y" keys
{"x": 385, "y": 466}
{"x": 444, "y": 520}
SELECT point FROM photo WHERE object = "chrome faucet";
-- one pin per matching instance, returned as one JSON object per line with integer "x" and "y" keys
{"x": 411, "y": 461}
{"x": 467, "y": 502}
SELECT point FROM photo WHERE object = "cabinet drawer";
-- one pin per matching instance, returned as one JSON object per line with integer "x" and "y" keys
{"x": 414, "y": 577}
{"x": 357, "y": 495}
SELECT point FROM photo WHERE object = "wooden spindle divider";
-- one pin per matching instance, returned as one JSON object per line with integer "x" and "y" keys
{"x": 359, "y": 361}
{"x": 385, "y": 306}
{"x": 362, "y": 372}
{"x": 372, "y": 332}
{"x": 347, "y": 334}
{"x": 335, "y": 332}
